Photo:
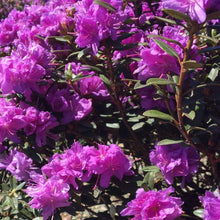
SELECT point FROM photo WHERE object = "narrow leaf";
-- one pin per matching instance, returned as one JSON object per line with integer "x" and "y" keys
{"x": 165, "y": 38}
{"x": 168, "y": 49}
{"x": 198, "y": 212}
{"x": 177, "y": 14}
{"x": 105, "y": 5}
{"x": 158, "y": 114}
{"x": 158, "y": 81}
{"x": 139, "y": 85}
{"x": 191, "y": 115}
{"x": 20, "y": 186}
{"x": 166, "y": 20}
{"x": 192, "y": 64}
{"x": 169, "y": 141}
{"x": 105, "y": 79}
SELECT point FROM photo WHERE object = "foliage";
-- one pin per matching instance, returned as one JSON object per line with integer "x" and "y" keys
{"x": 109, "y": 100}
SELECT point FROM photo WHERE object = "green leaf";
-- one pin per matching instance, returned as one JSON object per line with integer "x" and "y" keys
{"x": 158, "y": 81}
{"x": 166, "y": 20}
{"x": 192, "y": 64}
{"x": 212, "y": 39}
{"x": 105, "y": 5}
{"x": 177, "y": 14}
{"x": 113, "y": 125}
{"x": 89, "y": 67}
{"x": 213, "y": 74}
{"x": 20, "y": 186}
{"x": 137, "y": 126}
{"x": 151, "y": 169}
{"x": 169, "y": 141}
{"x": 198, "y": 213}
{"x": 165, "y": 38}
{"x": 66, "y": 38}
{"x": 191, "y": 115}
{"x": 139, "y": 85}
{"x": 105, "y": 79}
{"x": 112, "y": 211}
{"x": 168, "y": 49}
{"x": 158, "y": 114}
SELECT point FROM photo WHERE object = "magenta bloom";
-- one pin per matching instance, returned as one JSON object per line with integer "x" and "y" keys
{"x": 67, "y": 166}
{"x": 153, "y": 205}
{"x": 17, "y": 163}
{"x": 109, "y": 161}
{"x": 40, "y": 123}
{"x": 174, "y": 160}
{"x": 48, "y": 195}
{"x": 11, "y": 120}
{"x": 196, "y": 9}
{"x": 211, "y": 203}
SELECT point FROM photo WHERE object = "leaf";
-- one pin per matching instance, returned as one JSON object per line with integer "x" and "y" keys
{"x": 165, "y": 38}
{"x": 166, "y": 20}
{"x": 137, "y": 126}
{"x": 191, "y": 115}
{"x": 105, "y": 5}
{"x": 169, "y": 141}
{"x": 158, "y": 81}
{"x": 177, "y": 14}
{"x": 139, "y": 85}
{"x": 212, "y": 39}
{"x": 158, "y": 114}
{"x": 213, "y": 74}
{"x": 198, "y": 213}
{"x": 20, "y": 186}
{"x": 151, "y": 169}
{"x": 112, "y": 125}
{"x": 212, "y": 16}
{"x": 89, "y": 67}
{"x": 66, "y": 38}
{"x": 168, "y": 49}
{"x": 105, "y": 79}
{"x": 192, "y": 64}
{"x": 112, "y": 211}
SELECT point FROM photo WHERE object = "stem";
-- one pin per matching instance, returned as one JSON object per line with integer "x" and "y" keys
{"x": 180, "y": 125}
{"x": 139, "y": 148}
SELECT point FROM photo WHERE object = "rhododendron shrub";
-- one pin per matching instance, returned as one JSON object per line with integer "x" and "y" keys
{"x": 112, "y": 103}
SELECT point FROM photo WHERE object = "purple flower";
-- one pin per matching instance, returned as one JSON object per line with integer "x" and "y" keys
{"x": 40, "y": 123}
{"x": 67, "y": 166}
{"x": 109, "y": 161}
{"x": 174, "y": 160}
{"x": 48, "y": 195}
{"x": 11, "y": 120}
{"x": 211, "y": 203}
{"x": 18, "y": 164}
{"x": 196, "y": 9}
{"x": 154, "y": 205}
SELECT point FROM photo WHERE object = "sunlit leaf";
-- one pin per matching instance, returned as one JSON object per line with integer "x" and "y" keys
{"x": 168, "y": 142}
{"x": 158, "y": 114}
{"x": 105, "y": 5}
{"x": 168, "y": 49}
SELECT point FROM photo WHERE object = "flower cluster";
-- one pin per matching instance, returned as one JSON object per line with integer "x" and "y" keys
{"x": 154, "y": 205}
{"x": 18, "y": 164}
{"x": 75, "y": 164}
{"x": 211, "y": 203}
{"x": 174, "y": 160}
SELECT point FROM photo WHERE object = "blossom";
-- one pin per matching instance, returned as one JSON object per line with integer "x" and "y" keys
{"x": 211, "y": 203}
{"x": 17, "y": 163}
{"x": 39, "y": 123}
{"x": 48, "y": 194}
{"x": 196, "y": 9}
{"x": 109, "y": 161}
{"x": 67, "y": 166}
{"x": 174, "y": 160}
{"x": 154, "y": 205}
{"x": 11, "y": 120}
